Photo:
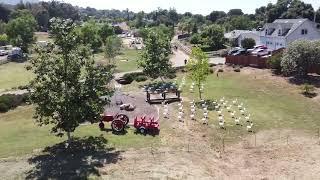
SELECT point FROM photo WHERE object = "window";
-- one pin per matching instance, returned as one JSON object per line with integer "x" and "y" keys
{"x": 279, "y": 32}
{"x": 304, "y": 31}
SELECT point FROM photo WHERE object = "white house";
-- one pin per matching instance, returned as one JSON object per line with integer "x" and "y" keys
{"x": 281, "y": 32}
{"x": 238, "y": 35}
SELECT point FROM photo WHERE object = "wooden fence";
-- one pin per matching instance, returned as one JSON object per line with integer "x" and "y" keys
{"x": 253, "y": 61}
{"x": 259, "y": 62}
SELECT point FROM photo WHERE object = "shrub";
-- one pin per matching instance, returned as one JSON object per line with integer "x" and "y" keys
{"x": 220, "y": 70}
{"x": 128, "y": 78}
{"x": 211, "y": 71}
{"x": 141, "y": 78}
{"x": 3, "y": 39}
{"x": 308, "y": 90}
{"x": 195, "y": 39}
{"x": 9, "y": 101}
{"x": 206, "y": 48}
{"x": 4, "y": 107}
{"x": 275, "y": 62}
{"x": 212, "y": 65}
{"x": 171, "y": 75}
{"x": 223, "y": 53}
{"x": 299, "y": 57}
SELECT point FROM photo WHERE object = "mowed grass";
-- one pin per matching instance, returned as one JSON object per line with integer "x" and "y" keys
{"x": 126, "y": 61}
{"x": 19, "y": 135}
{"x": 13, "y": 75}
{"x": 271, "y": 105}
{"x": 42, "y": 36}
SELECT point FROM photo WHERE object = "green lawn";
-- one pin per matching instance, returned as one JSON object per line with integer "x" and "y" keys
{"x": 19, "y": 135}
{"x": 13, "y": 75}
{"x": 271, "y": 105}
{"x": 125, "y": 62}
{"x": 42, "y": 36}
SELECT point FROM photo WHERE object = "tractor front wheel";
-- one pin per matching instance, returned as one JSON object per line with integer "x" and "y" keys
{"x": 117, "y": 125}
{"x": 101, "y": 125}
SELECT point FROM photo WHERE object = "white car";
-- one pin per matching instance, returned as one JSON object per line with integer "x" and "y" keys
{"x": 3, "y": 52}
{"x": 256, "y": 48}
{"x": 262, "y": 52}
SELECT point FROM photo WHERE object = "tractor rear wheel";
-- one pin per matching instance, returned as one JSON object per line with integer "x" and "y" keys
{"x": 117, "y": 125}
{"x": 123, "y": 118}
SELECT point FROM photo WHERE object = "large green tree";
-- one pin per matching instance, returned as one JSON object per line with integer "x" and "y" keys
{"x": 198, "y": 68}
{"x": 20, "y": 30}
{"x": 112, "y": 47}
{"x": 68, "y": 85}
{"x": 300, "y": 56}
{"x": 89, "y": 34}
{"x": 213, "y": 37}
{"x": 105, "y": 31}
{"x": 240, "y": 23}
{"x": 215, "y": 15}
{"x": 155, "y": 56}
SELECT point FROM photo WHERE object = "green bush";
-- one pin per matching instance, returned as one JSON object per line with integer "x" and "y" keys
{"x": 10, "y": 101}
{"x": 206, "y": 48}
{"x": 141, "y": 78}
{"x": 248, "y": 43}
{"x": 274, "y": 62}
{"x": 308, "y": 90}
{"x": 128, "y": 78}
{"x": 195, "y": 39}
{"x": 3, "y": 39}
{"x": 211, "y": 71}
{"x": 4, "y": 107}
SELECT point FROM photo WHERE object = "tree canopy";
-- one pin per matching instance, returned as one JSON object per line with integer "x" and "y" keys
{"x": 198, "y": 68}
{"x": 300, "y": 56}
{"x": 248, "y": 43}
{"x": 213, "y": 37}
{"x": 155, "y": 56}
{"x": 68, "y": 85}
{"x": 112, "y": 47}
{"x": 20, "y": 30}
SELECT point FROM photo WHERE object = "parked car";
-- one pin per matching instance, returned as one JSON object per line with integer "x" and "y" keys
{"x": 234, "y": 50}
{"x": 17, "y": 55}
{"x": 3, "y": 52}
{"x": 263, "y": 52}
{"x": 256, "y": 48}
{"x": 240, "y": 52}
{"x": 256, "y": 51}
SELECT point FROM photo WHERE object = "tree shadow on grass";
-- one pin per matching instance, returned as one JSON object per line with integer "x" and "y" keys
{"x": 81, "y": 159}
{"x": 309, "y": 95}
{"x": 310, "y": 79}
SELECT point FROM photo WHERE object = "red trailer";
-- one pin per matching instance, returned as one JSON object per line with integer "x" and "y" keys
{"x": 118, "y": 121}
{"x": 144, "y": 125}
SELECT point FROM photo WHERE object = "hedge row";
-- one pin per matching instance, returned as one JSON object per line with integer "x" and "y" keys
{"x": 10, "y": 101}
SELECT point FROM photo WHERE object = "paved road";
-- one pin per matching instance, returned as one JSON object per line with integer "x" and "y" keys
{"x": 178, "y": 57}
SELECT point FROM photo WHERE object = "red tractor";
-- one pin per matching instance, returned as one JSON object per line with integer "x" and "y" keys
{"x": 144, "y": 125}
{"x": 118, "y": 121}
